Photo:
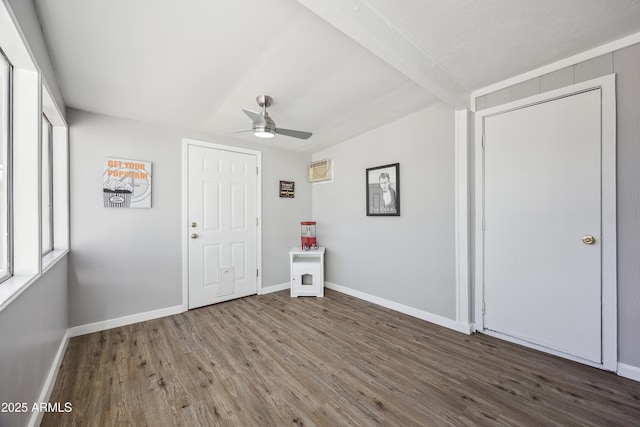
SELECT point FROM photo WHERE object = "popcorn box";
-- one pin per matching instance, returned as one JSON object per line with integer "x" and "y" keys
{"x": 117, "y": 198}
{"x": 117, "y": 194}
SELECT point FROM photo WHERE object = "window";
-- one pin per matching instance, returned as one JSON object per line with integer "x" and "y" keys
{"x": 47, "y": 185}
{"x": 5, "y": 169}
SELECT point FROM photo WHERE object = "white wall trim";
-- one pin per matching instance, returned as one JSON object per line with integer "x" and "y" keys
{"x": 185, "y": 221}
{"x": 274, "y": 288}
{"x": 566, "y": 62}
{"x": 185, "y": 210}
{"x": 465, "y": 328}
{"x": 629, "y": 371}
{"x": 609, "y": 237}
{"x": 609, "y": 222}
{"x": 463, "y": 296}
{"x": 125, "y": 320}
{"x": 50, "y": 382}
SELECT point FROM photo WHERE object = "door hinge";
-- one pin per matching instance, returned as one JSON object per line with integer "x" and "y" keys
{"x": 483, "y": 138}
{"x": 257, "y": 173}
{"x": 256, "y": 222}
{"x": 484, "y": 224}
{"x": 483, "y": 308}
{"x": 257, "y": 273}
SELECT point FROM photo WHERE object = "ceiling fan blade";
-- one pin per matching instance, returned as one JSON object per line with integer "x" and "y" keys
{"x": 255, "y": 117}
{"x": 294, "y": 133}
{"x": 241, "y": 131}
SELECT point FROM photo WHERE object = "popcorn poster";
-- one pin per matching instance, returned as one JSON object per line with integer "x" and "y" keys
{"x": 126, "y": 183}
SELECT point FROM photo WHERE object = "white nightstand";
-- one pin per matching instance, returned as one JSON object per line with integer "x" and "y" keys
{"x": 307, "y": 272}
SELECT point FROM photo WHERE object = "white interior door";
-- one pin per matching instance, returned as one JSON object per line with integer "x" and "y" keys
{"x": 222, "y": 215}
{"x": 542, "y": 195}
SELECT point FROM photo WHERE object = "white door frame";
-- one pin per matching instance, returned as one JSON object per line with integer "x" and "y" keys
{"x": 185, "y": 210}
{"x": 609, "y": 255}
{"x": 461, "y": 158}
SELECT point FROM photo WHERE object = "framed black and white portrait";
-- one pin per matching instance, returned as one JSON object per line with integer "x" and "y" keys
{"x": 383, "y": 190}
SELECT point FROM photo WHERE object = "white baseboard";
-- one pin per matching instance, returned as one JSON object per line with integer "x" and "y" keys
{"x": 45, "y": 394}
{"x": 405, "y": 309}
{"x": 274, "y": 288}
{"x": 629, "y": 371}
{"x": 123, "y": 321}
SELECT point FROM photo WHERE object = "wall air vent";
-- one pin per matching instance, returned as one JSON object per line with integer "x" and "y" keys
{"x": 320, "y": 171}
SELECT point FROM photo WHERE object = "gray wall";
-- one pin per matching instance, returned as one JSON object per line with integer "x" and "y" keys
{"x": 129, "y": 261}
{"x": 408, "y": 259}
{"x": 281, "y": 217}
{"x": 32, "y": 328}
{"x": 625, "y": 63}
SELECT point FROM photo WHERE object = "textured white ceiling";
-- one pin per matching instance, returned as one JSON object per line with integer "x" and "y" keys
{"x": 481, "y": 42}
{"x": 334, "y": 67}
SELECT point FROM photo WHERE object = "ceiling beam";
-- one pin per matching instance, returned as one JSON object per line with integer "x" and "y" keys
{"x": 361, "y": 22}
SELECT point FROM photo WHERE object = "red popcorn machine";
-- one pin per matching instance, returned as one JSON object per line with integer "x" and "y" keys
{"x": 308, "y": 235}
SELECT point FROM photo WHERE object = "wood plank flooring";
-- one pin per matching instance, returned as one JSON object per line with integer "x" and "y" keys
{"x": 272, "y": 360}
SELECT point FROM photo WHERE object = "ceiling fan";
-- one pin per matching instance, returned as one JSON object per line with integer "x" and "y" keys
{"x": 264, "y": 126}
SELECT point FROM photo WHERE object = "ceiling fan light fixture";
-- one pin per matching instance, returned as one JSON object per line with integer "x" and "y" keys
{"x": 263, "y": 133}
{"x": 266, "y": 128}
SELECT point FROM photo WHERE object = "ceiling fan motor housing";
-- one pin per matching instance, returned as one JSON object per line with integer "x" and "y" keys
{"x": 266, "y": 125}
{"x": 264, "y": 100}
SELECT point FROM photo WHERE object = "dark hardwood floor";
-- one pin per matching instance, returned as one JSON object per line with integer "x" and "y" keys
{"x": 272, "y": 360}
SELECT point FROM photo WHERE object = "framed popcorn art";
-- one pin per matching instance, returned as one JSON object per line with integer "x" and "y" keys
{"x": 126, "y": 183}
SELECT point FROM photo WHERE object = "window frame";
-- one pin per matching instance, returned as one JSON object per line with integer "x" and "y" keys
{"x": 8, "y": 134}
{"x": 47, "y": 246}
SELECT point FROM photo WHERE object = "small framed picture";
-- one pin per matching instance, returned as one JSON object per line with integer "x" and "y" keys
{"x": 287, "y": 189}
{"x": 383, "y": 190}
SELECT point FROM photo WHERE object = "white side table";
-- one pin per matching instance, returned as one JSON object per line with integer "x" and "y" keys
{"x": 307, "y": 272}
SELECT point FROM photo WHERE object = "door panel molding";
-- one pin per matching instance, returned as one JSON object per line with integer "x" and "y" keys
{"x": 186, "y": 226}
{"x": 609, "y": 255}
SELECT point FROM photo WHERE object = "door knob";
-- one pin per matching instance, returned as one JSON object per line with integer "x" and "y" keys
{"x": 194, "y": 235}
{"x": 588, "y": 240}
{"x": 193, "y": 224}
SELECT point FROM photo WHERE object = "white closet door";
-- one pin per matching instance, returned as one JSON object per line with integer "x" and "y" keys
{"x": 542, "y": 197}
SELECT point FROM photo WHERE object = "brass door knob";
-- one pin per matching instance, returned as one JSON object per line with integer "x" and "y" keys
{"x": 194, "y": 235}
{"x": 588, "y": 240}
